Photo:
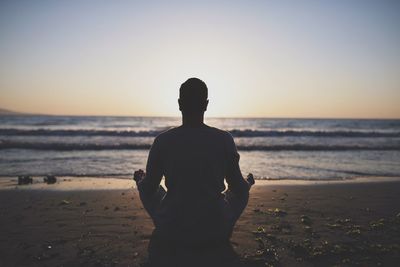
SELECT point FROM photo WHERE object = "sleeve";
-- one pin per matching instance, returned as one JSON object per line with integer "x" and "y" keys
{"x": 236, "y": 183}
{"x": 154, "y": 171}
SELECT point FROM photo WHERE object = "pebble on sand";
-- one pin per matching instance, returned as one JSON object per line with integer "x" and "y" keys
{"x": 24, "y": 179}
{"x": 50, "y": 179}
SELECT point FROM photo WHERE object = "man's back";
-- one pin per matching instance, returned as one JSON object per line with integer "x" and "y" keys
{"x": 194, "y": 162}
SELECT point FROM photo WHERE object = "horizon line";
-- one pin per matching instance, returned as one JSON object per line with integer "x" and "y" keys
{"x": 17, "y": 113}
{"x": 10, "y": 112}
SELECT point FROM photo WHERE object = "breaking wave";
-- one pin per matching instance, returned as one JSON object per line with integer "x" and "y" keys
{"x": 126, "y": 146}
{"x": 234, "y": 132}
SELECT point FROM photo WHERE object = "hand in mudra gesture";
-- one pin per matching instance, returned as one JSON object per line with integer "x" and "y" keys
{"x": 138, "y": 175}
{"x": 250, "y": 179}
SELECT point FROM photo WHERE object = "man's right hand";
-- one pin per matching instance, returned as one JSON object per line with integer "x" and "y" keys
{"x": 250, "y": 179}
{"x": 139, "y": 175}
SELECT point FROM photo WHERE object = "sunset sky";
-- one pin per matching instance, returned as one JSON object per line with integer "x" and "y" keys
{"x": 259, "y": 58}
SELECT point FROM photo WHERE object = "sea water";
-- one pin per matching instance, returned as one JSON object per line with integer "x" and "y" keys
{"x": 104, "y": 146}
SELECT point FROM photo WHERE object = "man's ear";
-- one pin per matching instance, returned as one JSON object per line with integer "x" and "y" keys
{"x": 180, "y": 104}
{"x": 206, "y": 105}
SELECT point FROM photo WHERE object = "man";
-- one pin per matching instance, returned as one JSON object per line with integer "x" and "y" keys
{"x": 194, "y": 159}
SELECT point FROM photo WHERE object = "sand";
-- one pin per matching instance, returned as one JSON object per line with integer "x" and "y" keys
{"x": 342, "y": 224}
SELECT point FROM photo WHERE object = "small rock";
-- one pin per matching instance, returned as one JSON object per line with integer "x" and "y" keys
{"x": 260, "y": 230}
{"x": 50, "y": 179}
{"x": 24, "y": 179}
{"x": 305, "y": 220}
{"x": 279, "y": 212}
{"x": 65, "y": 202}
{"x": 308, "y": 229}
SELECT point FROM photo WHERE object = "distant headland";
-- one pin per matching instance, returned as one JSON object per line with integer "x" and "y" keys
{"x": 7, "y": 112}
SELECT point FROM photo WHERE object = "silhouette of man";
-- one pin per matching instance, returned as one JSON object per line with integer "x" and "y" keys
{"x": 195, "y": 159}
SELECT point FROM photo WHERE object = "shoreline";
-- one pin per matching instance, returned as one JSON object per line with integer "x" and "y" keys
{"x": 73, "y": 183}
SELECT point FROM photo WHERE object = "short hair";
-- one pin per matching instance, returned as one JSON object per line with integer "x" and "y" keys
{"x": 193, "y": 88}
{"x": 193, "y": 93}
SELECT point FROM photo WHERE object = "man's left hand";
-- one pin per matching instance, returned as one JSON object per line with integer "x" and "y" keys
{"x": 139, "y": 175}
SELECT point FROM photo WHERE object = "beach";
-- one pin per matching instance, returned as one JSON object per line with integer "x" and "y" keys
{"x": 305, "y": 224}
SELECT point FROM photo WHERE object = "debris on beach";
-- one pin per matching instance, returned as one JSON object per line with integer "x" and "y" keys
{"x": 260, "y": 230}
{"x": 283, "y": 227}
{"x": 24, "y": 179}
{"x": 305, "y": 220}
{"x": 261, "y": 233}
{"x": 50, "y": 179}
{"x": 340, "y": 224}
{"x": 355, "y": 246}
{"x": 343, "y": 221}
{"x": 307, "y": 229}
{"x": 354, "y": 232}
{"x": 266, "y": 254}
{"x": 277, "y": 212}
{"x": 377, "y": 224}
{"x": 46, "y": 256}
{"x": 64, "y": 202}
{"x": 334, "y": 225}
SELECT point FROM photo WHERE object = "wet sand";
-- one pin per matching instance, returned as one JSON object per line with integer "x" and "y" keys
{"x": 283, "y": 225}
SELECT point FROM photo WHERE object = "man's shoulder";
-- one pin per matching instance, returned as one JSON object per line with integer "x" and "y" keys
{"x": 220, "y": 132}
{"x": 167, "y": 133}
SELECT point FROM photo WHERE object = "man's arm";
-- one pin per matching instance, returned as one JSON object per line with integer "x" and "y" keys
{"x": 236, "y": 183}
{"x": 150, "y": 183}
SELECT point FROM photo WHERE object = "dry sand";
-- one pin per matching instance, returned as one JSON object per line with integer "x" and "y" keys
{"x": 283, "y": 225}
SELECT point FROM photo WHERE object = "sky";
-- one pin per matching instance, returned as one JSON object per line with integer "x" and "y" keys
{"x": 319, "y": 59}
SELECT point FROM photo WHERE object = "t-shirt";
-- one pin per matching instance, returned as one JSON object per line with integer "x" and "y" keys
{"x": 195, "y": 161}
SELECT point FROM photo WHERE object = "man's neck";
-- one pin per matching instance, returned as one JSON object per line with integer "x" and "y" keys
{"x": 192, "y": 120}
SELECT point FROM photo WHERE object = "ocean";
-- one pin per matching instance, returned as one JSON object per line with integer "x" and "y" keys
{"x": 105, "y": 146}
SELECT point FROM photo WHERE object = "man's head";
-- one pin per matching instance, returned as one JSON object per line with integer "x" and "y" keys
{"x": 193, "y": 96}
